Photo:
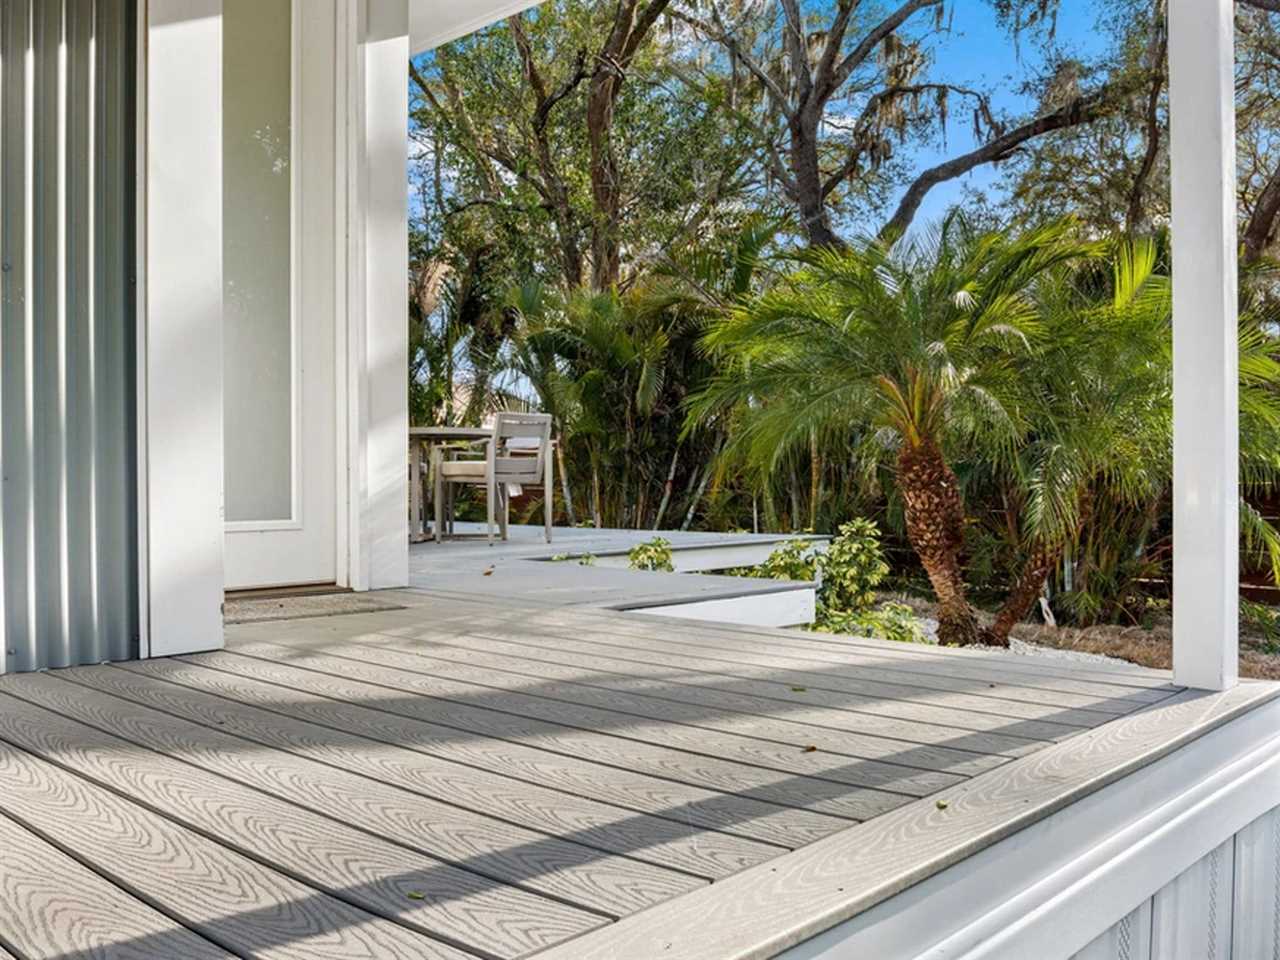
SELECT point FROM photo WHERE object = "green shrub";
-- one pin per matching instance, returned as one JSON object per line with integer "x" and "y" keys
{"x": 794, "y": 560}
{"x": 654, "y": 554}
{"x": 1263, "y": 621}
{"x": 888, "y": 621}
{"x": 852, "y": 568}
{"x": 582, "y": 559}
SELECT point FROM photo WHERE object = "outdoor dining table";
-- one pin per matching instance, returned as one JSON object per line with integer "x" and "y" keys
{"x": 425, "y": 437}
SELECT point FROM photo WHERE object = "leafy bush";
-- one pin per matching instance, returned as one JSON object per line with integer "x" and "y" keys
{"x": 794, "y": 560}
{"x": 888, "y": 621}
{"x": 582, "y": 559}
{"x": 852, "y": 568}
{"x": 653, "y": 554}
{"x": 1264, "y": 621}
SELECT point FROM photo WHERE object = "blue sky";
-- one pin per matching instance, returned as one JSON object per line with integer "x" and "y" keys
{"x": 979, "y": 53}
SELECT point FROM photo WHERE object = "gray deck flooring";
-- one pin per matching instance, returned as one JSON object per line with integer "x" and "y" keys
{"x": 520, "y": 567}
{"x": 460, "y": 779}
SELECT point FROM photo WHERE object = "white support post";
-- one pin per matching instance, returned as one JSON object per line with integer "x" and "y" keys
{"x": 1205, "y": 360}
{"x": 182, "y": 371}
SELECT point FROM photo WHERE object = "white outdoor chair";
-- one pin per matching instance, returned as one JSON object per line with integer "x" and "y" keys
{"x": 518, "y": 453}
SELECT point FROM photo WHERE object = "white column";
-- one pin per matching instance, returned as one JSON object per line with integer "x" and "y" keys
{"x": 181, "y": 389}
{"x": 378, "y": 300}
{"x": 1205, "y": 362}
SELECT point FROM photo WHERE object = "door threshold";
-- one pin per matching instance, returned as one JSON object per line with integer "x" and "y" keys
{"x": 282, "y": 592}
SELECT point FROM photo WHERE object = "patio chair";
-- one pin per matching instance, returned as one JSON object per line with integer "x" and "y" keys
{"x": 519, "y": 452}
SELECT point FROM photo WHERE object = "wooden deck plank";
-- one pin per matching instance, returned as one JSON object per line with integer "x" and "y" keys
{"x": 333, "y": 704}
{"x": 552, "y": 866}
{"x": 846, "y": 693}
{"x": 898, "y": 764}
{"x": 418, "y": 893}
{"x": 638, "y": 718}
{"x": 693, "y": 850}
{"x": 633, "y": 716}
{"x": 849, "y": 669}
{"x": 398, "y": 692}
{"x": 919, "y": 657}
{"x": 53, "y": 906}
{"x": 225, "y": 897}
{"x": 765, "y": 910}
{"x": 764, "y": 710}
{"x": 735, "y": 763}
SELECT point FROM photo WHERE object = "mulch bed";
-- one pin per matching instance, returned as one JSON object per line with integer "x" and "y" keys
{"x": 1146, "y": 647}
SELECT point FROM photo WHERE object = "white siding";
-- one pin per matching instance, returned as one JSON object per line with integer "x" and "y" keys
{"x": 1225, "y": 907}
{"x": 68, "y": 540}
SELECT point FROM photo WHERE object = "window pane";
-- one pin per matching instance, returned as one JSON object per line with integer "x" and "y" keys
{"x": 257, "y": 204}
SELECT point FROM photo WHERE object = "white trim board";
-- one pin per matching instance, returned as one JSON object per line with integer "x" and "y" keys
{"x": 790, "y": 608}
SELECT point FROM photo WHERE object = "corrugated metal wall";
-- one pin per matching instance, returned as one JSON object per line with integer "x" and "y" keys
{"x": 68, "y": 547}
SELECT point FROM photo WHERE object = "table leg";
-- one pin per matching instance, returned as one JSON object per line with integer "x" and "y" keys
{"x": 417, "y": 518}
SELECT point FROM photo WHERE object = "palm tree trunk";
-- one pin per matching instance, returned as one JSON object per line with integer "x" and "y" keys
{"x": 815, "y": 480}
{"x": 697, "y": 498}
{"x": 667, "y": 489}
{"x": 935, "y": 527}
{"x": 564, "y": 484}
{"x": 1024, "y": 594}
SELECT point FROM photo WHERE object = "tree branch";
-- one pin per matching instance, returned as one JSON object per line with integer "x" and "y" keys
{"x": 1081, "y": 110}
{"x": 1260, "y": 230}
{"x": 720, "y": 35}
{"x": 873, "y": 39}
{"x": 862, "y": 125}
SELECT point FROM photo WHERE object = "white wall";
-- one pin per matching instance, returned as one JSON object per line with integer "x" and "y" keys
{"x": 375, "y": 289}
{"x": 181, "y": 445}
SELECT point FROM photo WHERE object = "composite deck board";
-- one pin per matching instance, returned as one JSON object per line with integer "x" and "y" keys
{"x": 763, "y": 911}
{"x": 626, "y": 712}
{"x": 53, "y": 906}
{"x": 692, "y": 850}
{"x": 1031, "y": 670}
{"x": 418, "y": 893}
{"x": 595, "y": 661}
{"x": 225, "y": 897}
{"x": 701, "y": 728}
{"x": 908, "y": 766}
{"x": 796, "y": 775}
{"x": 334, "y": 704}
{"x": 769, "y": 677}
{"x": 411, "y": 695}
{"x": 580, "y": 875}
{"x": 859, "y": 672}
{"x": 982, "y": 664}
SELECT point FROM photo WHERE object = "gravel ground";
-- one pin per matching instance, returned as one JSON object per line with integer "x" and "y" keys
{"x": 1025, "y": 649}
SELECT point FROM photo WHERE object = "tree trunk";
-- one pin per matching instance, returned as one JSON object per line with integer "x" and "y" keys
{"x": 815, "y": 481}
{"x": 564, "y": 484}
{"x": 697, "y": 498}
{"x": 807, "y": 176}
{"x": 1024, "y": 594}
{"x": 935, "y": 528}
{"x": 667, "y": 489}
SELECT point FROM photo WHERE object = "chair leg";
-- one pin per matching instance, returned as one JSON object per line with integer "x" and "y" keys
{"x": 548, "y": 496}
{"x": 504, "y": 518}
{"x": 438, "y": 503}
{"x": 490, "y": 496}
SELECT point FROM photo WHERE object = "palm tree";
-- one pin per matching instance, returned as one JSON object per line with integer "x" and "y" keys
{"x": 1096, "y": 396}
{"x": 910, "y": 351}
{"x": 1099, "y": 395}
